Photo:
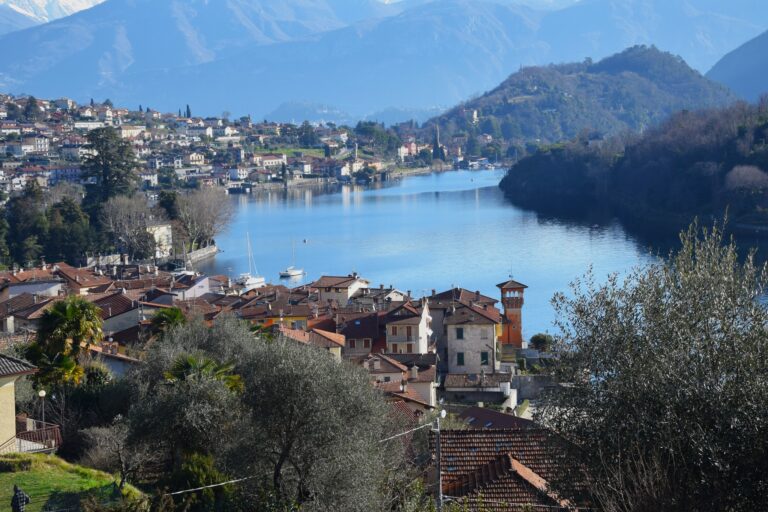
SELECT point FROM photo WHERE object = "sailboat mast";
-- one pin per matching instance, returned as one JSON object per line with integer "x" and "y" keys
{"x": 250, "y": 254}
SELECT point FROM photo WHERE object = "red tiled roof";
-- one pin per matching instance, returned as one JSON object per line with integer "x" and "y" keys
{"x": 511, "y": 284}
{"x": 114, "y": 304}
{"x": 469, "y": 314}
{"x": 326, "y": 338}
{"x": 506, "y": 469}
{"x": 82, "y": 278}
{"x": 334, "y": 282}
{"x": 36, "y": 310}
{"x": 462, "y": 295}
{"x": 481, "y": 417}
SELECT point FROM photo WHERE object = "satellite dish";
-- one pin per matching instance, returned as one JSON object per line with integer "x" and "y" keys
{"x": 443, "y": 413}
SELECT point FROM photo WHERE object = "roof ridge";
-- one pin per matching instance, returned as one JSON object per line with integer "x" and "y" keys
{"x": 530, "y": 476}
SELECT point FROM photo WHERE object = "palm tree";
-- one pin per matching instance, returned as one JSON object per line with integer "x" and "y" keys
{"x": 166, "y": 319}
{"x": 69, "y": 324}
{"x": 188, "y": 366}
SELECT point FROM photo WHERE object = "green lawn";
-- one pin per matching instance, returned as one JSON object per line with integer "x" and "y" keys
{"x": 315, "y": 152}
{"x": 52, "y": 483}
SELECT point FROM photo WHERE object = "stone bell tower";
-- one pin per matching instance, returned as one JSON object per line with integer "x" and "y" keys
{"x": 512, "y": 302}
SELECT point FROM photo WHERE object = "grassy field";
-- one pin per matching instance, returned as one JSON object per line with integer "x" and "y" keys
{"x": 314, "y": 152}
{"x": 52, "y": 483}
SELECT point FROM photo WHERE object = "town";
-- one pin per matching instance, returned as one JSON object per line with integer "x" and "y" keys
{"x": 45, "y": 141}
{"x": 452, "y": 350}
{"x": 455, "y": 343}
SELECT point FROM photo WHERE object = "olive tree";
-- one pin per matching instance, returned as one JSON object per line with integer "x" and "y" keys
{"x": 304, "y": 427}
{"x": 664, "y": 381}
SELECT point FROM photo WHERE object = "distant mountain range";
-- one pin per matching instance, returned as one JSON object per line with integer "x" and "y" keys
{"x": 355, "y": 56}
{"x": 11, "y": 20}
{"x": 47, "y": 10}
{"x": 631, "y": 91}
{"x": 745, "y": 70}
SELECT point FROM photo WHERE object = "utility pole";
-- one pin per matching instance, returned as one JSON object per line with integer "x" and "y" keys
{"x": 438, "y": 462}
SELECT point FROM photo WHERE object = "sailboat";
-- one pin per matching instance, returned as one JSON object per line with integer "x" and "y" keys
{"x": 249, "y": 281}
{"x": 292, "y": 271}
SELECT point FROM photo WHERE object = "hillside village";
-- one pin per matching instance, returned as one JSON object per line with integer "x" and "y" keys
{"x": 45, "y": 140}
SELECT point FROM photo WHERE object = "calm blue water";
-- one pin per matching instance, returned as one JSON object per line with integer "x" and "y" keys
{"x": 424, "y": 233}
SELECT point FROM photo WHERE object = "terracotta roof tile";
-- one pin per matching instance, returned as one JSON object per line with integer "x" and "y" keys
{"x": 10, "y": 366}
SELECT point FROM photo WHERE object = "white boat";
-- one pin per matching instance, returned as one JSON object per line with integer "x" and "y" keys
{"x": 249, "y": 280}
{"x": 292, "y": 271}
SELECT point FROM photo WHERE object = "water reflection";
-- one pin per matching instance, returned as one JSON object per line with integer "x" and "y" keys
{"x": 423, "y": 233}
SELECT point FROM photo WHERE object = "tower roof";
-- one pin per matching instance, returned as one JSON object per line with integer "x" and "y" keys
{"x": 511, "y": 284}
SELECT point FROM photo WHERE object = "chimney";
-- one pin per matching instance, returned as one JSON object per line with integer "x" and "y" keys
{"x": 376, "y": 364}
{"x": 408, "y": 293}
{"x": 477, "y": 295}
{"x": 434, "y": 292}
{"x": 403, "y": 386}
{"x": 414, "y": 372}
{"x": 381, "y": 287}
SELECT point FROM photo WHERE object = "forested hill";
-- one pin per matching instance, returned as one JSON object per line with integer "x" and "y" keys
{"x": 632, "y": 90}
{"x": 696, "y": 164}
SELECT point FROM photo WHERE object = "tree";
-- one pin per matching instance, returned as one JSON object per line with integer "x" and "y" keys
{"x": 127, "y": 219}
{"x": 112, "y": 167}
{"x": 666, "y": 389}
{"x": 110, "y": 450}
{"x": 307, "y": 135}
{"x": 167, "y": 319}
{"x": 28, "y": 224}
{"x": 188, "y": 112}
{"x": 189, "y": 366}
{"x": 542, "y": 342}
{"x": 204, "y": 214}
{"x": 305, "y": 425}
{"x": 69, "y": 324}
{"x": 108, "y": 103}
{"x": 169, "y": 202}
{"x": 13, "y": 111}
{"x": 31, "y": 110}
{"x": 68, "y": 232}
{"x": 64, "y": 328}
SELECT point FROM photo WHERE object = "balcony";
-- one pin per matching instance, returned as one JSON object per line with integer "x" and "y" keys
{"x": 33, "y": 436}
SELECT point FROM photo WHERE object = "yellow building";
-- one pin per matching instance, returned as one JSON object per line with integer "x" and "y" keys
{"x": 11, "y": 370}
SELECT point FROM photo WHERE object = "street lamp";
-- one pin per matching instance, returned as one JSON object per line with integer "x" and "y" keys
{"x": 41, "y": 394}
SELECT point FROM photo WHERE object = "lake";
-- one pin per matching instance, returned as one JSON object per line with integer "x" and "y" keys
{"x": 423, "y": 233}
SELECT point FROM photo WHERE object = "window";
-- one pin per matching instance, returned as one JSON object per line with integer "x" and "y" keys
{"x": 484, "y": 358}
{"x": 394, "y": 330}
{"x": 394, "y": 348}
{"x": 409, "y": 332}
{"x": 366, "y": 343}
{"x": 351, "y": 343}
{"x": 460, "y": 359}
{"x": 410, "y": 348}
{"x": 386, "y": 379}
{"x": 459, "y": 333}
{"x": 483, "y": 333}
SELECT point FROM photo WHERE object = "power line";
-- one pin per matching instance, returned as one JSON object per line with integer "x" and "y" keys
{"x": 405, "y": 433}
{"x": 212, "y": 486}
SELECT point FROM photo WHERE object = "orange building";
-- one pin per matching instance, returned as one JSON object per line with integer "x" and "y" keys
{"x": 512, "y": 301}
